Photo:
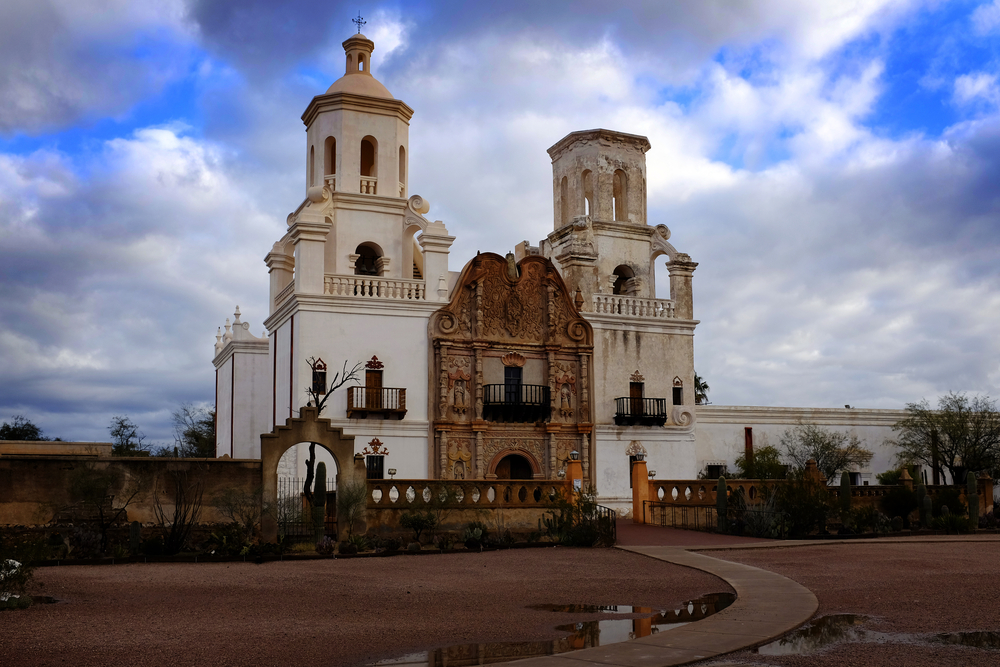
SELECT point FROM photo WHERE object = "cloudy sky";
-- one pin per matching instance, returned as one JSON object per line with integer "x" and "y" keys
{"x": 833, "y": 166}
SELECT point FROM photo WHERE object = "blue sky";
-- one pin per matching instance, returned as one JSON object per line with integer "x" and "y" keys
{"x": 832, "y": 166}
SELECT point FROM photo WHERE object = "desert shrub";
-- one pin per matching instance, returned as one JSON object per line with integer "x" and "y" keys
{"x": 953, "y": 524}
{"x": 418, "y": 522}
{"x": 900, "y": 502}
{"x": 988, "y": 520}
{"x": 385, "y": 543}
{"x": 445, "y": 541}
{"x": 326, "y": 546}
{"x": 577, "y": 521}
{"x": 85, "y": 542}
{"x": 868, "y": 519}
{"x": 360, "y": 541}
{"x": 18, "y": 558}
{"x": 950, "y": 498}
{"x": 230, "y": 539}
{"x": 804, "y": 503}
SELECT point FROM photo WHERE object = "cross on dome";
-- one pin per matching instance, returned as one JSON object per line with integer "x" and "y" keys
{"x": 359, "y": 22}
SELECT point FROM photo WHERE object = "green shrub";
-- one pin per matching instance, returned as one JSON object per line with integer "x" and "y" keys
{"x": 900, "y": 502}
{"x": 953, "y": 524}
{"x": 325, "y": 546}
{"x": 951, "y": 498}
{"x": 418, "y": 522}
{"x": 805, "y": 504}
{"x": 577, "y": 522}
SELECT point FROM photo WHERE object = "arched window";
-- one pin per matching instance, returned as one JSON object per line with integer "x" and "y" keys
{"x": 620, "y": 195}
{"x": 330, "y": 156}
{"x": 678, "y": 391}
{"x": 588, "y": 191}
{"x": 369, "y": 165}
{"x": 361, "y": 63}
{"x": 564, "y": 201}
{"x": 312, "y": 166}
{"x": 350, "y": 62}
{"x": 367, "y": 263}
{"x": 402, "y": 172}
{"x": 623, "y": 274}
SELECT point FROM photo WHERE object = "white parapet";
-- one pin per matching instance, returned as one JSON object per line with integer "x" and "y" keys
{"x": 373, "y": 287}
{"x": 631, "y": 306}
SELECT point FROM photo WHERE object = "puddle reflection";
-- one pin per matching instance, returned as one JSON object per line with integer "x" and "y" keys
{"x": 582, "y": 634}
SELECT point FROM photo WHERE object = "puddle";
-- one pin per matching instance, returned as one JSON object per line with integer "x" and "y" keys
{"x": 846, "y": 628}
{"x": 987, "y": 640}
{"x": 820, "y": 633}
{"x": 582, "y": 634}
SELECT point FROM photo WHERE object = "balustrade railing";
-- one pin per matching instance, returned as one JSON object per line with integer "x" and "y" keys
{"x": 285, "y": 292}
{"x": 331, "y": 182}
{"x": 632, "y": 306}
{"x": 372, "y": 287}
{"x": 365, "y": 401}
{"x": 516, "y": 402}
{"x": 459, "y": 494}
{"x": 369, "y": 185}
{"x": 640, "y": 411}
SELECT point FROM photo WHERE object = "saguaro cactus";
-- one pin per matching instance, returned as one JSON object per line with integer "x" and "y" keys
{"x": 319, "y": 502}
{"x": 972, "y": 497}
{"x": 844, "y": 495}
{"x": 722, "y": 506}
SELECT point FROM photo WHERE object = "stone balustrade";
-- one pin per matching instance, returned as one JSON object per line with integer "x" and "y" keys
{"x": 632, "y": 306}
{"x": 420, "y": 494}
{"x": 373, "y": 287}
{"x": 331, "y": 182}
{"x": 369, "y": 185}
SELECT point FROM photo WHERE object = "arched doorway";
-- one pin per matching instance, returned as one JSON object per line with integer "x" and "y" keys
{"x": 309, "y": 427}
{"x": 514, "y": 466}
{"x": 298, "y": 471}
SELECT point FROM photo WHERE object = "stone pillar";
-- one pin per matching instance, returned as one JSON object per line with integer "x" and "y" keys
{"x": 574, "y": 474}
{"x": 281, "y": 268}
{"x": 640, "y": 490}
{"x": 681, "y": 270}
{"x": 436, "y": 242}
{"x": 906, "y": 480}
{"x": 310, "y": 241}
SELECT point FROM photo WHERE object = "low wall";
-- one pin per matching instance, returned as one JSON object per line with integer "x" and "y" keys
{"x": 515, "y": 505}
{"x": 703, "y": 492}
{"x": 35, "y": 489}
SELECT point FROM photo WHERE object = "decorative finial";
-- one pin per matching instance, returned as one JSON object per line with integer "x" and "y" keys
{"x": 236, "y": 315}
{"x": 359, "y": 22}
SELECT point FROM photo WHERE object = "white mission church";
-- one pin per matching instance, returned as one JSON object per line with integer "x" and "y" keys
{"x": 504, "y": 368}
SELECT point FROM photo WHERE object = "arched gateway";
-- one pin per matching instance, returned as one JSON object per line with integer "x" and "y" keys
{"x": 308, "y": 427}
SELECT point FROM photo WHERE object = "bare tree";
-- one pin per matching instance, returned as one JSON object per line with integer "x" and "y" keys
{"x": 319, "y": 392}
{"x": 833, "y": 451}
{"x": 962, "y": 434}
{"x": 194, "y": 431}
{"x": 126, "y": 438}
{"x": 176, "y": 525}
{"x": 107, "y": 491}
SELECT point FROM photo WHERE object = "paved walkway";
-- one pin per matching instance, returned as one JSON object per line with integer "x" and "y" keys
{"x": 767, "y": 605}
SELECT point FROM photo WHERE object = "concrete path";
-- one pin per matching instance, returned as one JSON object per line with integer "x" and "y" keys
{"x": 767, "y": 606}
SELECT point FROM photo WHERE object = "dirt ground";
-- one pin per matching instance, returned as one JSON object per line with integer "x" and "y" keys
{"x": 324, "y": 613}
{"x": 910, "y": 590}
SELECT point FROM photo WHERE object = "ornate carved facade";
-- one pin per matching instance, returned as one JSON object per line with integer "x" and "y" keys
{"x": 512, "y": 355}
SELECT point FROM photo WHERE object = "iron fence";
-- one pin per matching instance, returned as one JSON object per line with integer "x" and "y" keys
{"x": 294, "y": 513}
{"x": 745, "y": 522}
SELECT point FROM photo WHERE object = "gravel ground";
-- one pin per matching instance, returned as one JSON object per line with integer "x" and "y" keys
{"x": 909, "y": 589}
{"x": 328, "y": 612}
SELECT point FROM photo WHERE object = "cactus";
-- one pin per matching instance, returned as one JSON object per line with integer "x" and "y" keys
{"x": 134, "y": 536}
{"x": 920, "y": 491}
{"x": 972, "y": 498}
{"x": 722, "y": 506}
{"x": 319, "y": 502}
{"x": 844, "y": 494}
{"x": 925, "y": 512}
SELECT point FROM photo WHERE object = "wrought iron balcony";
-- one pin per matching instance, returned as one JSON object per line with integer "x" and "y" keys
{"x": 387, "y": 402}
{"x": 640, "y": 411}
{"x": 516, "y": 402}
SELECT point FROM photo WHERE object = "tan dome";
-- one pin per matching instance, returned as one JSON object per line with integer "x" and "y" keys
{"x": 360, "y": 84}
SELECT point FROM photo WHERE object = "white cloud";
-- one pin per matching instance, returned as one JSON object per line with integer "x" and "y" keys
{"x": 976, "y": 87}
{"x": 986, "y": 18}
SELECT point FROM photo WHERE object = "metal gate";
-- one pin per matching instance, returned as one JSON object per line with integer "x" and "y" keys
{"x": 294, "y": 513}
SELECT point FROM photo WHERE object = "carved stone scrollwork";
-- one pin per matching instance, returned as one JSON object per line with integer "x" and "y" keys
{"x": 514, "y": 443}
{"x": 683, "y": 415}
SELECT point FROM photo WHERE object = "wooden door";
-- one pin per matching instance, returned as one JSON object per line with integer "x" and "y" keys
{"x": 373, "y": 390}
{"x": 635, "y": 390}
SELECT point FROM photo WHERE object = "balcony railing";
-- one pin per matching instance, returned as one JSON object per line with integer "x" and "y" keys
{"x": 516, "y": 402}
{"x": 331, "y": 182}
{"x": 373, "y": 287}
{"x": 387, "y": 402}
{"x": 369, "y": 185}
{"x": 640, "y": 411}
{"x": 633, "y": 306}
